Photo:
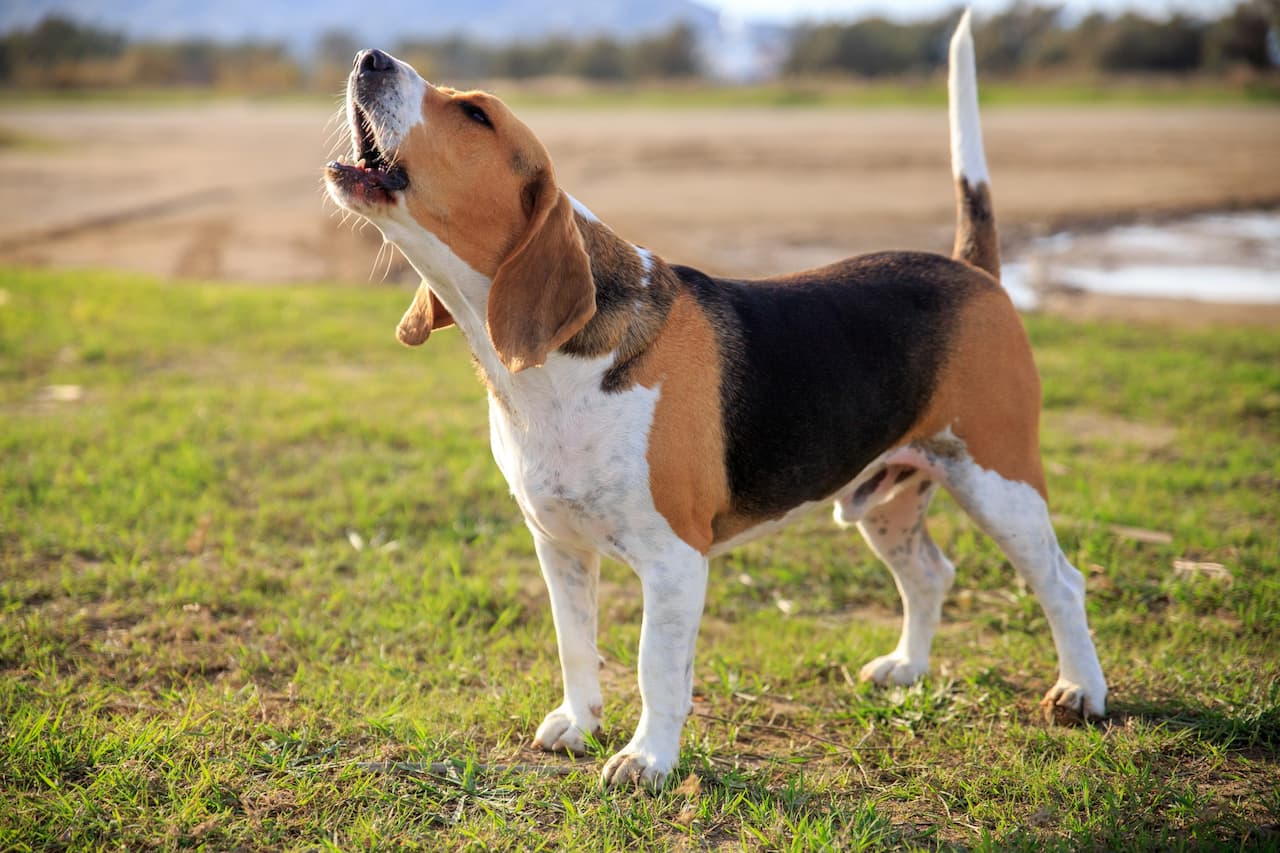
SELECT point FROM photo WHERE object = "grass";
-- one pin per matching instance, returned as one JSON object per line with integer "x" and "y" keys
{"x": 11, "y": 139}
{"x": 1121, "y": 91}
{"x": 263, "y": 587}
{"x": 1068, "y": 92}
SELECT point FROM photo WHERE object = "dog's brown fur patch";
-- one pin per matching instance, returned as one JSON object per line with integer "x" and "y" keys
{"x": 988, "y": 391}
{"x": 687, "y": 476}
{"x": 473, "y": 199}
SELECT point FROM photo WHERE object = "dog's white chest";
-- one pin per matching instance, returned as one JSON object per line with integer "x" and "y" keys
{"x": 575, "y": 457}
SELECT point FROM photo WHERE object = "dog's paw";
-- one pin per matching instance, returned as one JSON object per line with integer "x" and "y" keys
{"x": 1068, "y": 703}
{"x": 893, "y": 669}
{"x": 637, "y": 766}
{"x": 562, "y": 731}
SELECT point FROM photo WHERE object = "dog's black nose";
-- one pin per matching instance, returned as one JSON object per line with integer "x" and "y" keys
{"x": 375, "y": 61}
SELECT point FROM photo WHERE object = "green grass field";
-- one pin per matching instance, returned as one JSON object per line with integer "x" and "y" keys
{"x": 1120, "y": 91}
{"x": 263, "y": 587}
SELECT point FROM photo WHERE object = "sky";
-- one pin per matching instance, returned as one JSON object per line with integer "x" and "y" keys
{"x": 793, "y": 10}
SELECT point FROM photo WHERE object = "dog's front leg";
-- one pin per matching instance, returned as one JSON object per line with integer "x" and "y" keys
{"x": 572, "y": 577}
{"x": 674, "y": 586}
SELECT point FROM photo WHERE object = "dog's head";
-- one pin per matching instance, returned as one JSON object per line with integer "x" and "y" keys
{"x": 439, "y": 170}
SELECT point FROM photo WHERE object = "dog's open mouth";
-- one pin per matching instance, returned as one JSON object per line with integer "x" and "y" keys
{"x": 371, "y": 174}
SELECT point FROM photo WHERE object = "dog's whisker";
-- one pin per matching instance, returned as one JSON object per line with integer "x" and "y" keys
{"x": 391, "y": 259}
{"x": 377, "y": 262}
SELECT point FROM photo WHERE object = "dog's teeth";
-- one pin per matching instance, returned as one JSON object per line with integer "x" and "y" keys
{"x": 361, "y": 164}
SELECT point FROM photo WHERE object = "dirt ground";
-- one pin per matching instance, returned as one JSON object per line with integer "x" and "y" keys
{"x": 232, "y": 190}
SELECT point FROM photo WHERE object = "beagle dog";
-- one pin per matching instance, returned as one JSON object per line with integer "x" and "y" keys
{"x": 651, "y": 413}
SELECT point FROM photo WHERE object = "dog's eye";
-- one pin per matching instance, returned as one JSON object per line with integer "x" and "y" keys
{"x": 476, "y": 114}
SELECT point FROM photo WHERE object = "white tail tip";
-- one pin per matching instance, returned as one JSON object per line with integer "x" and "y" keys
{"x": 967, "y": 157}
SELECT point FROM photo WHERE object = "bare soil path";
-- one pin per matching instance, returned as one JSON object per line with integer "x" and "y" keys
{"x": 232, "y": 190}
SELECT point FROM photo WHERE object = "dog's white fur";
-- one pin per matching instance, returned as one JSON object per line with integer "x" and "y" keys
{"x": 967, "y": 157}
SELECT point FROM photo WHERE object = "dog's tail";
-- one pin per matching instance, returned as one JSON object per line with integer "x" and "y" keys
{"x": 976, "y": 240}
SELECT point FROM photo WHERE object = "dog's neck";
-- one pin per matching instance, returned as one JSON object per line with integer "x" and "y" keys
{"x": 633, "y": 289}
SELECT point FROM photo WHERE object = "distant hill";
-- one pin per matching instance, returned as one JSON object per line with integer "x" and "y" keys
{"x": 299, "y": 23}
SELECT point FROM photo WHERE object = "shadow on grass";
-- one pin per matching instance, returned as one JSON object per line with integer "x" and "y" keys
{"x": 1248, "y": 729}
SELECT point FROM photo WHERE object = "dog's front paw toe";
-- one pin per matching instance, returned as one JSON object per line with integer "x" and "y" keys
{"x": 893, "y": 669}
{"x": 1068, "y": 703}
{"x": 562, "y": 731}
{"x": 636, "y": 767}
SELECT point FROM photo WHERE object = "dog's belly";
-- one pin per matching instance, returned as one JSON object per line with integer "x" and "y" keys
{"x": 889, "y": 473}
{"x": 764, "y": 528}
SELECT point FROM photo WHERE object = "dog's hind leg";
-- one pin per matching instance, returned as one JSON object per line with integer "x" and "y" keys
{"x": 1016, "y": 516}
{"x": 896, "y": 532}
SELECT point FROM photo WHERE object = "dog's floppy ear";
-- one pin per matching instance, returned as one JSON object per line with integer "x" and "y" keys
{"x": 425, "y": 315}
{"x": 543, "y": 293}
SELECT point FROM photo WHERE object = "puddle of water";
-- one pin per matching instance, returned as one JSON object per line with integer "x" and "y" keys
{"x": 1232, "y": 257}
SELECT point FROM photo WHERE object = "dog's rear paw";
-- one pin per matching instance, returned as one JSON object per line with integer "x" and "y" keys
{"x": 893, "y": 668}
{"x": 563, "y": 731}
{"x": 635, "y": 766}
{"x": 1068, "y": 703}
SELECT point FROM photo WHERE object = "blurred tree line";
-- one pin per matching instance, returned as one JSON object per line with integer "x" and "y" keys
{"x": 673, "y": 54}
{"x": 1025, "y": 38}
{"x": 59, "y": 53}
{"x": 1033, "y": 37}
